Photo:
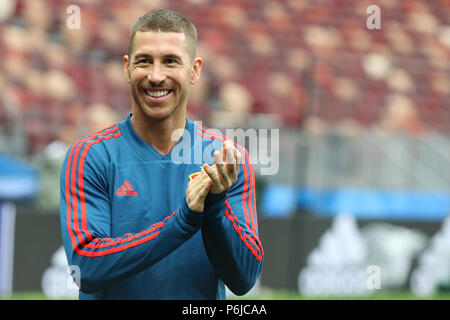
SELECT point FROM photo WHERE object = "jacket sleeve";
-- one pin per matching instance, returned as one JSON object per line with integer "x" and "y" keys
{"x": 230, "y": 231}
{"x": 86, "y": 225}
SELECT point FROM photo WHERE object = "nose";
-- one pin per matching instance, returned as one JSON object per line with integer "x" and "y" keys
{"x": 156, "y": 76}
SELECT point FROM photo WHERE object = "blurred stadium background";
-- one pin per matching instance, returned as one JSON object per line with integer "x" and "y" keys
{"x": 359, "y": 207}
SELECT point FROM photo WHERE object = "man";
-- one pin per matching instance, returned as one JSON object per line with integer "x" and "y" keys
{"x": 139, "y": 225}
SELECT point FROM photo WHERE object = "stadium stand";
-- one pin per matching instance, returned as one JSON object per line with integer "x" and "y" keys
{"x": 295, "y": 60}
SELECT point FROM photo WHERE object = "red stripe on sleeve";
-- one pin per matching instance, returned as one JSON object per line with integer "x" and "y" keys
{"x": 67, "y": 188}
{"x": 132, "y": 240}
{"x": 106, "y": 242}
{"x": 68, "y": 205}
{"x": 254, "y": 238}
{"x": 81, "y": 181}
{"x": 100, "y": 137}
{"x": 244, "y": 237}
{"x": 252, "y": 191}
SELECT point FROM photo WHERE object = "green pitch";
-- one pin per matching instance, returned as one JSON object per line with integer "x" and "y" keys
{"x": 268, "y": 294}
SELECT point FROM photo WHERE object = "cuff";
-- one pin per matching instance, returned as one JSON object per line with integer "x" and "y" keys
{"x": 215, "y": 207}
{"x": 213, "y": 198}
{"x": 190, "y": 217}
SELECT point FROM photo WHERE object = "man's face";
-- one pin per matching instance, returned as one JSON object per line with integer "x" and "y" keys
{"x": 160, "y": 72}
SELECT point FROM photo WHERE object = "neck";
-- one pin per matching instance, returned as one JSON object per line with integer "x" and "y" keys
{"x": 160, "y": 134}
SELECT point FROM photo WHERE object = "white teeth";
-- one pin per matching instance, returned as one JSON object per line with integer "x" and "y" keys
{"x": 157, "y": 94}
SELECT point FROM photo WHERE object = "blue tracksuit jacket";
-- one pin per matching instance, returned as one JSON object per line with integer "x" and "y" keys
{"x": 126, "y": 225}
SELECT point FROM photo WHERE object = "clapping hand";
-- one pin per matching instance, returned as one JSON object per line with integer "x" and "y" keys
{"x": 224, "y": 172}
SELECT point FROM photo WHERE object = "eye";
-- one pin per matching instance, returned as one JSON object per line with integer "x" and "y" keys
{"x": 171, "y": 61}
{"x": 143, "y": 61}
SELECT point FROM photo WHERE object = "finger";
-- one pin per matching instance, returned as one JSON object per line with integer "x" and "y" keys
{"x": 204, "y": 189}
{"x": 230, "y": 159}
{"x": 219, "y": 164}
{"x": 223, "y": 175}
{"x": 217, "y": 156}
{"x": 239, "y": 157}
{"x": 236, "y": 163}
{"x": 196, "y": 200}
{"x": 195, "y": 185}
{"x": 224, "y": 151}
{"x": 218, "y": 161}
{"x": 211, "y": 172}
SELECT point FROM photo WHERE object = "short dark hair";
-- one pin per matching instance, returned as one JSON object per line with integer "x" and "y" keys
{"x": 167, "y": 21}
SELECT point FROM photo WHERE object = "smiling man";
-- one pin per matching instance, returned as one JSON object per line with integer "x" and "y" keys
{"x": 139, "y": 226}
{"x": 160, "y": 67}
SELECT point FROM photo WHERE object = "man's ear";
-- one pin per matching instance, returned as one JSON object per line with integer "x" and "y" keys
{"x": 126, "y": 69}
{"x": 196, "y": 70}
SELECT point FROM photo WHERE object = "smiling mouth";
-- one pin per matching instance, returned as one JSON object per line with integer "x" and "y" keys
{"x": 157, "y": 93}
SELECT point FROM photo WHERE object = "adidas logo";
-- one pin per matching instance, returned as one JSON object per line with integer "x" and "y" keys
{"x": 126, "y": 190}
{"x": 336, "y": 267}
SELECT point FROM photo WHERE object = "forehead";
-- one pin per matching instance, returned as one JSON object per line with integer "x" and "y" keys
{"x": 159, "y": 43}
